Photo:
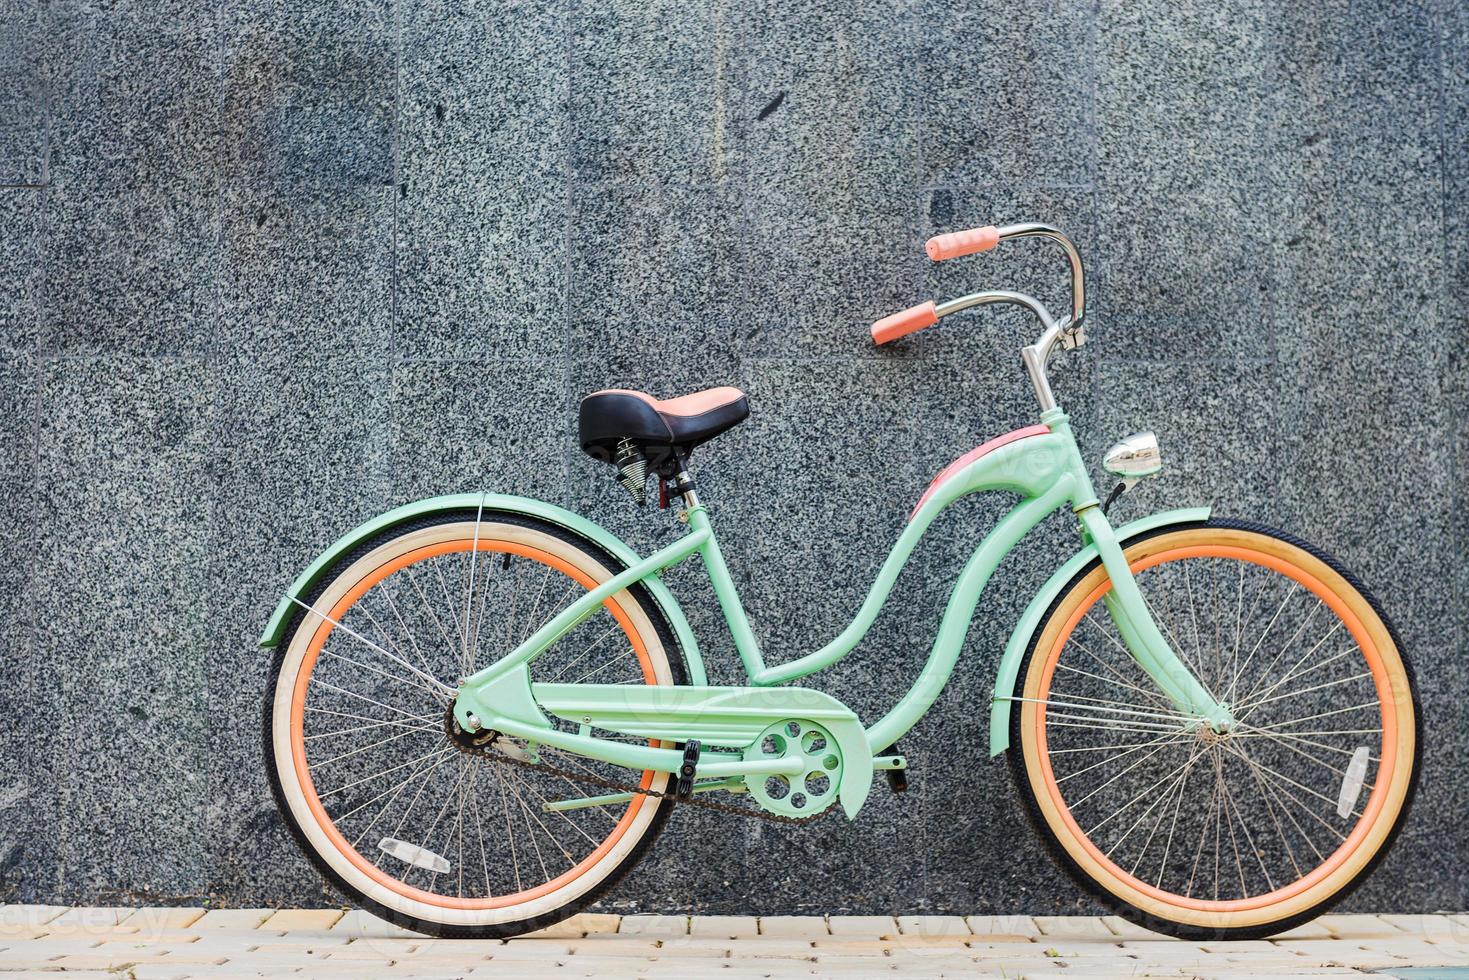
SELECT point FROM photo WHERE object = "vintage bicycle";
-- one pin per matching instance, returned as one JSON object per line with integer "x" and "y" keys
{"x": 482, "y": 708}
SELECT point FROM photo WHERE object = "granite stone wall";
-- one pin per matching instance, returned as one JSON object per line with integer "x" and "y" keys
{"x": 269, "y": 268}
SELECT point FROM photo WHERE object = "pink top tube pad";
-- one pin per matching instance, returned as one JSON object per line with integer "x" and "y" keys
{"x": 952, "y": 470}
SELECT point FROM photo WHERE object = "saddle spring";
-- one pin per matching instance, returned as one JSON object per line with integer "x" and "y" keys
{"x": 632, "y": 469}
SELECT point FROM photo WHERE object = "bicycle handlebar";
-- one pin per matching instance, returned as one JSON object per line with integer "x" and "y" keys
{"x": 958, "y": 243}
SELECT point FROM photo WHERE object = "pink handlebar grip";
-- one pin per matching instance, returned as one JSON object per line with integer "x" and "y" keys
{"x": 957, "y": 243}
{"x": 902, "y": 324}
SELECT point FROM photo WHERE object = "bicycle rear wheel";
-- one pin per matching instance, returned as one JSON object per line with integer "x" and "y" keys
{"x": 1234, "y": 835}
{"x": 362, "y": 753}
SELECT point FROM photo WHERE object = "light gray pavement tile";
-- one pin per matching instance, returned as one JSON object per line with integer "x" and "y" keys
{"x": 30, "y": 915}
{"x": 1436, "y": 928}
{"x": 724, "y": 926}
{"x": 654, "y": 925}
{"x": 1360, "y": 926}
{"x": 154, "y": 919}
{"x": 359, "y": 924}
{"x": 931, "y": 926}
{"x": 374, "y": 949}
{"x": 863, "y": 926}
{"x": 1123, "y": 929}
{"x": 793, "y": 926}
{"x": 304, "y": 920}
{"x": 235, "y": 920}
{"x": 1308, "y": 930}
{"x": 577, "y": 926}
{"x": 1074, "y": 927}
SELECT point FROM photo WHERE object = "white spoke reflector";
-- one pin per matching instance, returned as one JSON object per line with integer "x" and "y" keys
{"x": 1351, "y": 783}
{"x": 419, "y": 857}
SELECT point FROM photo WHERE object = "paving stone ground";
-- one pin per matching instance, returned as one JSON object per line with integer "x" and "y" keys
{"x": 177, "y": 943}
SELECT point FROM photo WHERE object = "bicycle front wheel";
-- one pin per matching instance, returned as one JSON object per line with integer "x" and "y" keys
{"x": 1219, "y": 835}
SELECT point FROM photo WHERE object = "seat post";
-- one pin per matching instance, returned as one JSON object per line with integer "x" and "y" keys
{"x": 683, "y": 481}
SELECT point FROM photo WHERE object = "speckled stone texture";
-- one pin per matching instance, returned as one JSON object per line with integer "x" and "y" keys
{"x": 267, "y": 269}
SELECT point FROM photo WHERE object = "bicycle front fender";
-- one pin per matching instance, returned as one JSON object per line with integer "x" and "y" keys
{"x": 1009, "y": 670}
{"x": 559, "y": 516}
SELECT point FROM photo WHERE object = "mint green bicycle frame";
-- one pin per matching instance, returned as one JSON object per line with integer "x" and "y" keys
{"x": 1046, "y": 471}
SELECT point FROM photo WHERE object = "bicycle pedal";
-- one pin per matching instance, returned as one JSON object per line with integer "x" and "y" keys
{"x": 898, "y": 780}
{"x": 685, "y": 786}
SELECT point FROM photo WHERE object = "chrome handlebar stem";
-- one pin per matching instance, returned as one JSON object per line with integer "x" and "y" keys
{"x": 1036, "y": 355}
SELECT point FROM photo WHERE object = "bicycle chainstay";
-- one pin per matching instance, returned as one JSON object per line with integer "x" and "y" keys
{"x": 485, "y": 751}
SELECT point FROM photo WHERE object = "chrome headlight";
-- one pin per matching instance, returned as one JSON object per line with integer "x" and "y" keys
{"x": 1133, "y": 458}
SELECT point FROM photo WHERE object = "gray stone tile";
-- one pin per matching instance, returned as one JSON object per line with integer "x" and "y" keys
{"x": 303, "y": 138}
{"x": 1223, "y": 442}
{"x": 647, "y": 92}
{"x": 1007, "y": 94}
{"x": 132, "y": 93}
{"x": 463, "y": 426}
{"x": 818, "y": 264}
{"x": 1175, "y": 277}
{"x": 27, "y": 850}
{"x": 307, "y": 96}
{"x": 309, "y": 43}
{"x": 130, "y": 219}
{"x": 307, "y": 278}
{"x": 20, "y": 315}
{"x": 120, "y": 622}
{"x": 1360, "y": 191}
{"x": 22, "y": 93}
{"x": 824, "y": 142}
{"x": 129, "y": 274}
{"x": 303, "y": 458}
{"x": 482, "y": 229}
{"x": 824, "y": 94}
{"x": 20, "y": 271}
{"x": 652, "y": 271}
{"x": 1182, "y": 96}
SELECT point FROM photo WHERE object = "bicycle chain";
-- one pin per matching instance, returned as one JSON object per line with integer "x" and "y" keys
{"x": 484, "y": 750}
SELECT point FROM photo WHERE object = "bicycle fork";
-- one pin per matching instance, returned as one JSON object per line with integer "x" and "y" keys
{"x": 1154, "y": 654}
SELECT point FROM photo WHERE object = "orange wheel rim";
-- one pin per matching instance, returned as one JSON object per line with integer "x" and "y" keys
{"x": 298, "y": 745}
{"x": 1382, "y": 683}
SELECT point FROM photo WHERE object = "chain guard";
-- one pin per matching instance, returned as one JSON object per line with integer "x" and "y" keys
{"x": 478, "y": 745}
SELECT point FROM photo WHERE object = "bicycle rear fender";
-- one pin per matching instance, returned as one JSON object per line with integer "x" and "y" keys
{"x": 559, "y": 516}
{"x": 1009, "y": 669}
